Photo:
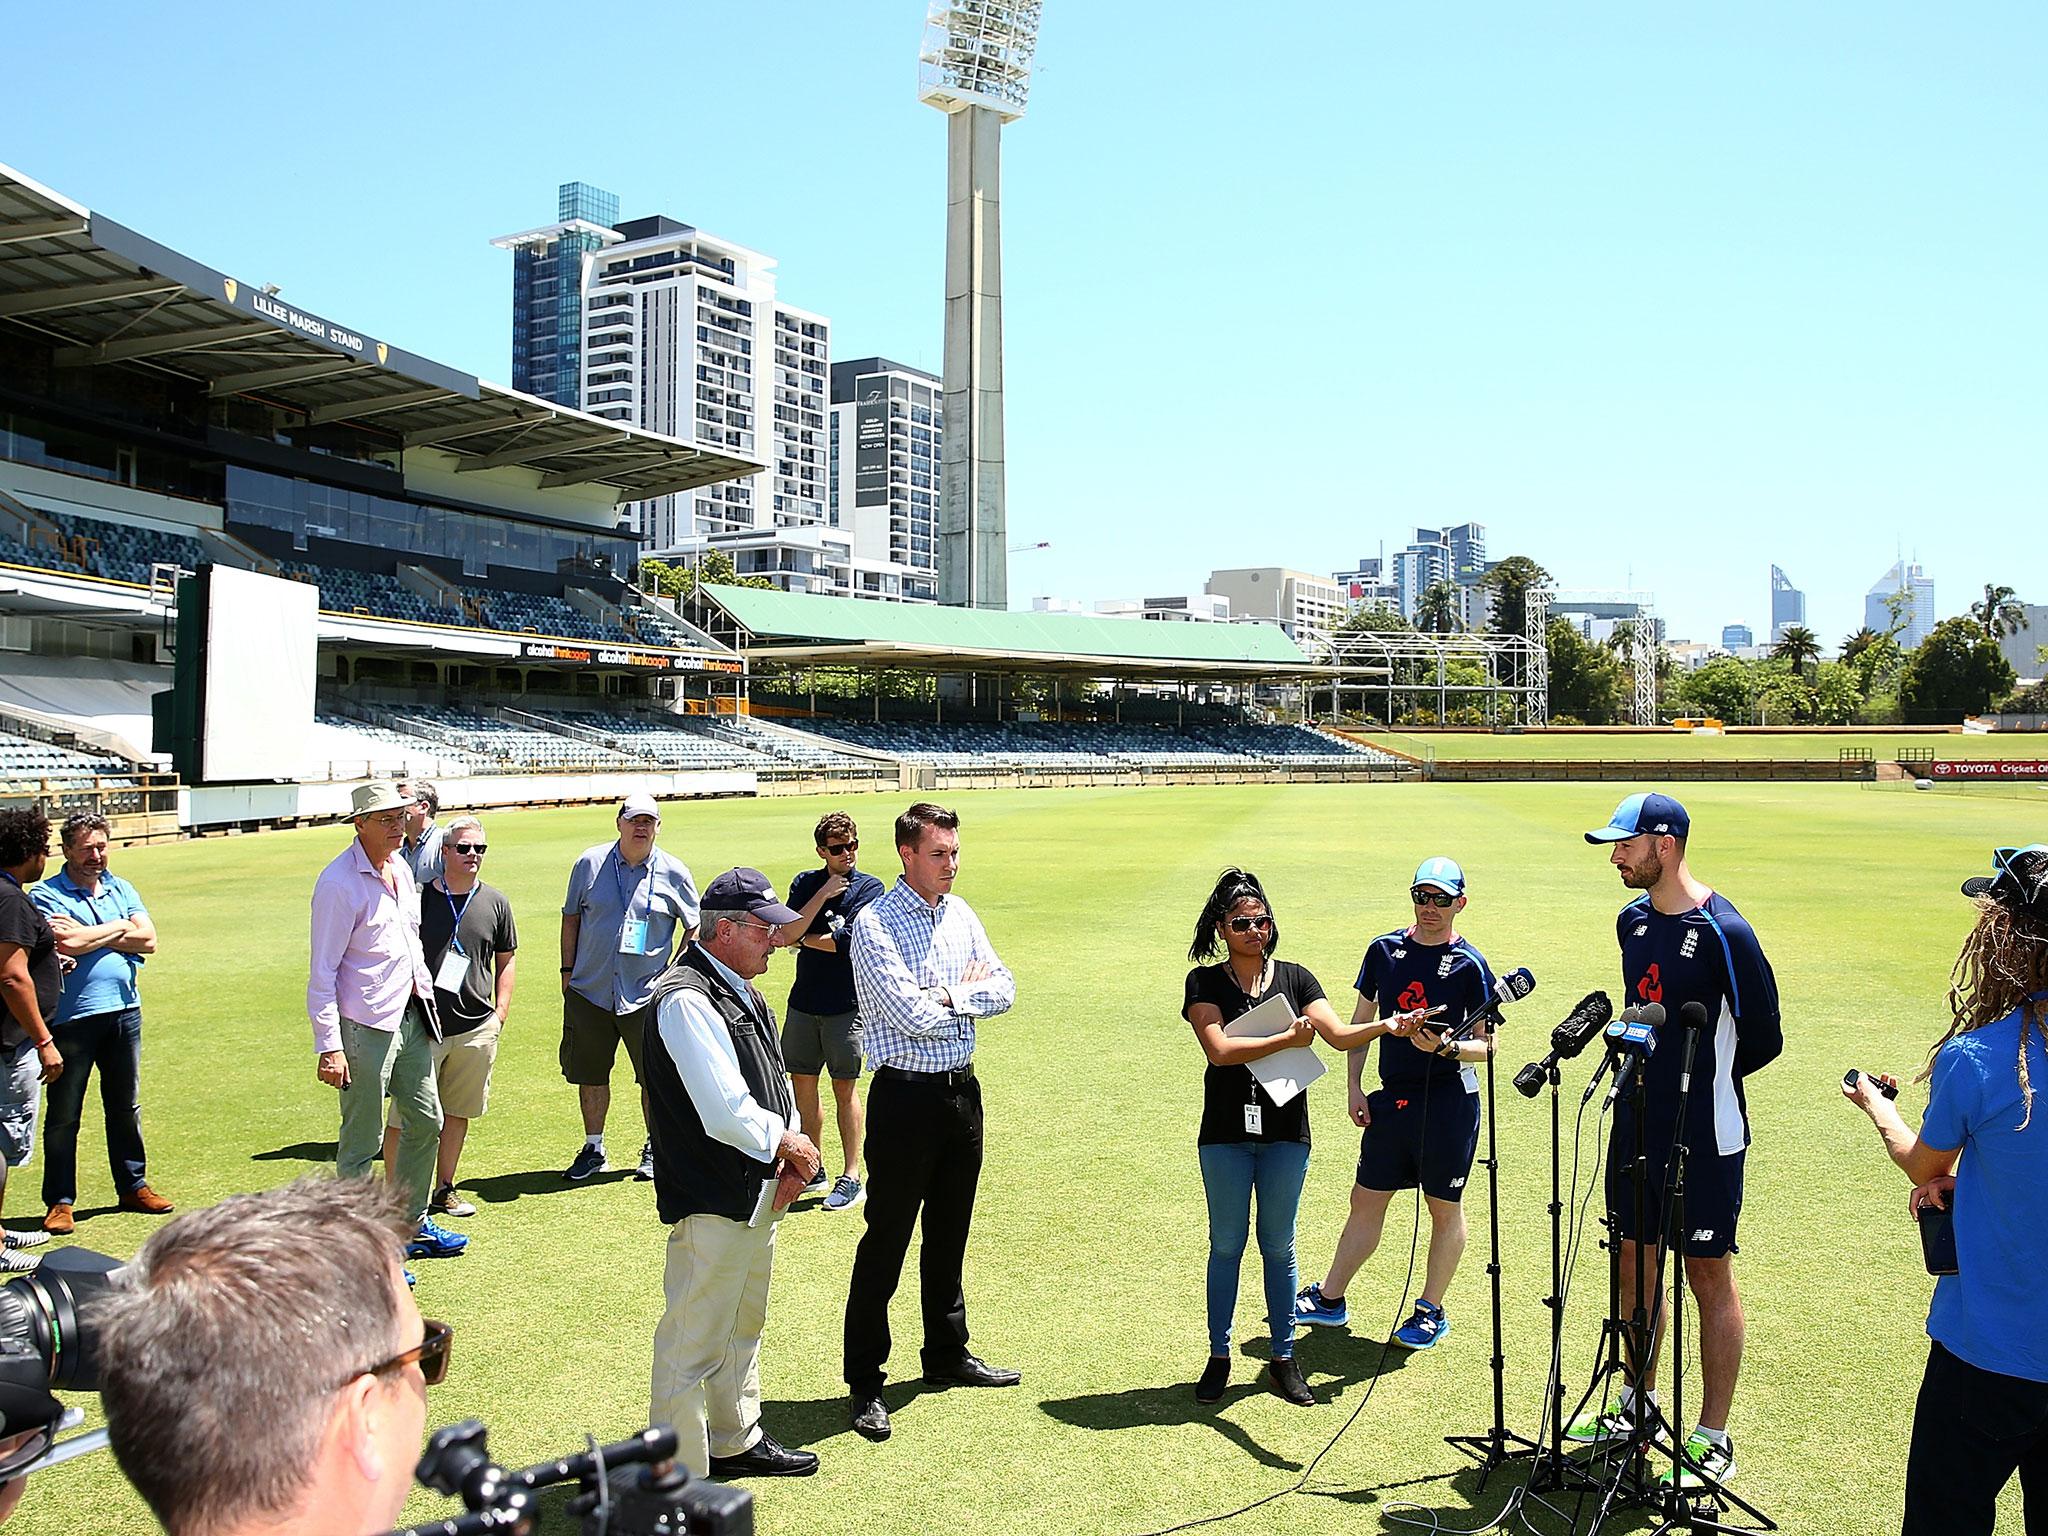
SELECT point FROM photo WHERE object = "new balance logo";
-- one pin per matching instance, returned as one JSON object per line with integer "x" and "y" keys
{"x": 1457, "y": 1183}
{"x": 1641, "y": 929}
{"x": 1400, "y": 954}
{"x": 1704, "y": 1235}
{"x": 1690, "y": 947}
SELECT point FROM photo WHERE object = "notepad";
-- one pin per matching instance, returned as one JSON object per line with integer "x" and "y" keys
{"x": 1284, "y": 1073}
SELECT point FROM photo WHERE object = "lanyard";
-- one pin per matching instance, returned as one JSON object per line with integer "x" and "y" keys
{"x": 619, "y": 883}
{"x": 455, "y": 933}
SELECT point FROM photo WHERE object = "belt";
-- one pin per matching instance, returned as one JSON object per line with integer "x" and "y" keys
{"x": 952, "y": 1079}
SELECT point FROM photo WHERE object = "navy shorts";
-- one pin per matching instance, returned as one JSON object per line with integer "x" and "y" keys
{"x": 1402, "y": 1147}
{"x": 1713, "y": 1194}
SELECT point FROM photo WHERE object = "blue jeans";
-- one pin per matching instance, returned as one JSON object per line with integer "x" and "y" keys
{"x": 113, "y": 1043}
{"x": 1230, "y": 1174}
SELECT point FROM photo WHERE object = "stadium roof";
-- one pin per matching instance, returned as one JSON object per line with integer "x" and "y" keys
{"x": 803, "y": 629}
{"x": 107, "y": 295}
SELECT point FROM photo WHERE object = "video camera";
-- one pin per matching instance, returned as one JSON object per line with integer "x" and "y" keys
{"x": 48, "y": 1343}
{"x": 633, "y": 1488}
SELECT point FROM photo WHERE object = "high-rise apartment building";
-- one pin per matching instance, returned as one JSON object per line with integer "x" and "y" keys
{"x": 1788, "y": 605}
{"x": 1455, "y": 557}
{"x": 1918, "y": 611}
{"x": 547, "y": 292}
{"x": 887, "y": 437}
{"x": 1294, "y": 600}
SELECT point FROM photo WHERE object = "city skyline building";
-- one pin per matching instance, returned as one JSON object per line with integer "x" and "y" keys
{"x": 1295, "y": 600}
{"x": 1736, "y": 637}
{"x": 887, "y": 439}
{"x": 1454, "y": 556}
{"x": 1902, "y": 576}
{"x": 1788, "y": 605}
{"x": 547, "y": 291}
{"x": 1367, "y": 584}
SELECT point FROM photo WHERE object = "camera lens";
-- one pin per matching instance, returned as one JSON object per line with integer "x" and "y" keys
{"x": 48, "y": 1314}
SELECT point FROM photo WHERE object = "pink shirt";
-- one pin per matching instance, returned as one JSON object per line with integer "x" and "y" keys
{"x": 366, "y": 947}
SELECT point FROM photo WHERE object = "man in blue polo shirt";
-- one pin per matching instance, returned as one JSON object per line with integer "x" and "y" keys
{"x": 1421, "y": 983}
{"x": 101, "y": 924}
{"x": 1684, "y": 943}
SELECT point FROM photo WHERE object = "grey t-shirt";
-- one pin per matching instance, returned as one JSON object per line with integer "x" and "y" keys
{"x": 484, "y": 932}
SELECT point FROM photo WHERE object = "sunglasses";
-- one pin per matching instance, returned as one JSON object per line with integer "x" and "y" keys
{"x": 1250, "y": 924}
{"x": 835, "y": 849}
{"x": 470, "y": 847}
{"x": 1428, "y": 898}
{"x": 430, "y": 1355}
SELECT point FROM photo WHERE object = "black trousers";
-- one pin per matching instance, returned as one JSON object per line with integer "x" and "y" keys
{"x": 1972, "y": 1429}
{"x": 924, "y": 1155}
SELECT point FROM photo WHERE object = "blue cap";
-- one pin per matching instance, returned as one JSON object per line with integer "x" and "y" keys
{"x": 1659, "y": 815}
{"x": 1444, "y": 874}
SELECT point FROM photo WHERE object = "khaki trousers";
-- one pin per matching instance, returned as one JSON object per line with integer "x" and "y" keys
{"x": 707, "y": 1348}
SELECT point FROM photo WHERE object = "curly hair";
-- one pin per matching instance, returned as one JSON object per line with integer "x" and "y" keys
{"x": 23, "y": 835}
{"x": 2004, "y": 962}
{"x": 1232, "y": 886}
{"x": 835, "y": 824}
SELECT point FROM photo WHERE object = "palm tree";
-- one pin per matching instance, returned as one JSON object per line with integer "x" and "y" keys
{"x": 1999, "y": 615}
{"x": 1855, "y": 645}
{"x": 1436, "y": 611}
{"x": 1798, "y": 647}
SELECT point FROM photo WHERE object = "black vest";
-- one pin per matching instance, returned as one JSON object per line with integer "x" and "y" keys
{"x": 695, "y": 1174}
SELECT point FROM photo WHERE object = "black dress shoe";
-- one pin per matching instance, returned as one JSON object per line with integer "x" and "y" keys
{"x": 766, "y": 1457}
{"x": 968, "y": 1371}
{"x": 1215, "y": 1377}
{"x": 870, "y": 1418}
{"x": 1284, "y": 1377}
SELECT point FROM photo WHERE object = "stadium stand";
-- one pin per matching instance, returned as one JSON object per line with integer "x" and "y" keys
{"x": 24, "y": 759}
{"x": 92, "y": 546}
{"x": 1045, "y": 744}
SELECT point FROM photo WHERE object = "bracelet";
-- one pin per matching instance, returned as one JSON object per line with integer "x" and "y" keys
{"x": 567, "y": 969}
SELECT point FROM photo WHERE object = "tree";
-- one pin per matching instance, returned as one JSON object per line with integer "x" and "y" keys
{"x": 1376, "y": 619}
{"x": 1998, "y": 615}
{"x": 1511, "y": 582}
{"x": 1799, "y": 648}
{"x": 1836, "y": 696}
{"x": 1436, "y": 611}
{"x": 1586, "y": 681}
{"x": 1958, "y": 670}
{"x": 715, "y": 568}
{"x": 1721, "y": 689}
{"x": 1855, "y": 645}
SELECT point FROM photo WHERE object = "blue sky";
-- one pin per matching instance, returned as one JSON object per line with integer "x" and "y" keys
{"x": 1658, "y": 294}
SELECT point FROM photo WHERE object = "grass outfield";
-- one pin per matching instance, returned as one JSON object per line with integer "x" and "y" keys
{"x": 1646, "y": 746}
{"x": 1085, "y": 1268}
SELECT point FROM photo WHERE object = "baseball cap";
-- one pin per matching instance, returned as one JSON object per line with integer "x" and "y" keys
{"x": 639, "y": 805}
{"x": 2018, "y": 878}
{"x": 1653, "y": 813}
{"x": 1444, "y": 874}
{"x": 747, "y": 890}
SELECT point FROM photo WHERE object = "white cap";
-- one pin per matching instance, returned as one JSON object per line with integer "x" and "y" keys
{"x": 639, "y": 805}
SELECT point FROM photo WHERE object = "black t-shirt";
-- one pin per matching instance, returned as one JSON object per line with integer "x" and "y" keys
{"x": 1226, "y": 1091}
{"x": 21, "y": 923}
{"x": 486, "y": 931}
{"x": 824, "y": 982}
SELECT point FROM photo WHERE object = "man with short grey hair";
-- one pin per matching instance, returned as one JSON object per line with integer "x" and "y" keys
{"x": 423, "y": 840}
{"x": 288, "y": 1310}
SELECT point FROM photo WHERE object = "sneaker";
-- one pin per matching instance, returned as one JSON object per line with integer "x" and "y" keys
{"x": 1425, "y": 1328}
{"x": 1715, "y": 1461}
{"x": 447, "y": 1202}
{"x": 435, "y": 1242}
{"x": 589, "y": 1160}
{"x": 411, "y": 1279}
{"x": 28, "y": 1239}
{"x": 1310, "y": 1306}
{"x": 1597, "y": 1427}
{"x": 14, "y": 1262}
{"x": 847, "y": 1192}
{"x": 818, "y": 1185}
{"x": 645, "y": 1172}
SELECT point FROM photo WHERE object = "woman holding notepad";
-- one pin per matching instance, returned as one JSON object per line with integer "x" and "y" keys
{"x": 1247, "y": 1009}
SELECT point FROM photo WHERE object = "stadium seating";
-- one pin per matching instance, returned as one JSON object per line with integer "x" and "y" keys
{"x": 23, "y": 759}
{"x": 116, "y": 551}
{"x": 1045, "y": 744}
{"x": 711, "y": 741}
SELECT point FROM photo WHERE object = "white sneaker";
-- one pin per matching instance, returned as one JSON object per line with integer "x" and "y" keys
{"x": 14, "y": 1262}
{"x": 28, "y": 1239}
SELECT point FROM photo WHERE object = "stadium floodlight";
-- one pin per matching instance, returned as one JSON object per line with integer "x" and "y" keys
{"x": 975, "y": 66}
{"x": 977, "y": 53}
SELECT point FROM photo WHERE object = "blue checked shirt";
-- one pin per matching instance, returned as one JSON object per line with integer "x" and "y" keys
{"x": 904, "y": 951}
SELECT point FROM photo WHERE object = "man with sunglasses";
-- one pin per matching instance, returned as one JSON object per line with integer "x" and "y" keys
{"x": 821, "y": 1024}
{"x": 469, "y": 938}
{"x": 371, "y": 999}
{"x": 1421, "y": 1126}
{"x": 1681, "y": 943}
{"x": 314, "y": 1428}
{"x": 724, "y": 1130}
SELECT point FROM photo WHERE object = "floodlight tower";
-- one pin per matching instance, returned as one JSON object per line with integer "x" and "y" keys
{"x": 975, "y": 66}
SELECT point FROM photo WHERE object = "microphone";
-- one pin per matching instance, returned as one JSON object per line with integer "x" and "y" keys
{"x": 1632, "y": 1041}
{"x": 1511, "y": 988}
{"x": 1694, "y": 1017}
{"x": 1571, "y": 1036}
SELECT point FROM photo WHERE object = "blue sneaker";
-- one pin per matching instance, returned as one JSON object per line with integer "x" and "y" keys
{"x": 435, "y": 1242}
{"x": 1425, "y": 1329}
{"x": 411, "y": 1279}
{"x": 1310, "y": 1307}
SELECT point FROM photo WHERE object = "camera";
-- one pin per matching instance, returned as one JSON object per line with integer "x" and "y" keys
{"x": 48, "y": 1343}
{"x": 633, "y": 1488}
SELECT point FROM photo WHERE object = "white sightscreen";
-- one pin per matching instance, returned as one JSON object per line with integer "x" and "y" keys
{"x": 260, "y": 663}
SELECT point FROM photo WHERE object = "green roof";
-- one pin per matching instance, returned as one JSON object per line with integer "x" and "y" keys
{"x": 790, "y": 618}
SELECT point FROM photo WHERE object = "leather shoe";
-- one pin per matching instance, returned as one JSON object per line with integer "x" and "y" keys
{"x": 870, "y": 1417}
{"x": 146, "y": 1200}
{"x": 968, "y": 1371}
{"x": 1284, "y": 1377}
{"x": 59, "y": 1222}
{"x": 766, "y": 1457}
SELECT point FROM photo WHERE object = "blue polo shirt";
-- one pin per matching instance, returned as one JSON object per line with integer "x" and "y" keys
{"x": 105, "y": 980}
{"x": 605, "y": 894}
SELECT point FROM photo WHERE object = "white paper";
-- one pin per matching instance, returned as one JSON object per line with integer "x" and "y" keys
{"x": 764, "y": 1207}
{"x": 1284, "y": 1073}
{"x": 453, "y": 971}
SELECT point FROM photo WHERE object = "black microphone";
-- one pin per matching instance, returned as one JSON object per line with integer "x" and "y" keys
{"x": 1571, "y": 1036}
{"x": 1511, "y": 988}
{"x": 1632, "y": 1042}
{"x": 1694, "y": 1017}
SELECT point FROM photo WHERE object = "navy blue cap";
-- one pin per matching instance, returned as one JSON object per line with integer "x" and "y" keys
{"x": 1659, "y": 815}
{"x": 747, "y": 890}
{"x": 2018, "y": 878}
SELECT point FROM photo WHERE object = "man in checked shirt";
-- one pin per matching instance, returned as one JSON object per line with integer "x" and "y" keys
{"x": 924, "y": 971}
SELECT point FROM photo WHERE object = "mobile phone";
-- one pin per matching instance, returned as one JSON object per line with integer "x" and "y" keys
{"x": 1889, "y": 1090}
{"x": 1938, "y": 1237}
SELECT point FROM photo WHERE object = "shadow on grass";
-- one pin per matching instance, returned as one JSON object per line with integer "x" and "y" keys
{"x": 807, "y": 1422}
{"x": 1332, "y": 1365}
{"x": 1473, "y": 1496}
{"x": 503, "y": 1188}
{"x": 297, "y": 1152}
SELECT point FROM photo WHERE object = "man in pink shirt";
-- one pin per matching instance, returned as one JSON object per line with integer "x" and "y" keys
{"x": 371, "y": 1001}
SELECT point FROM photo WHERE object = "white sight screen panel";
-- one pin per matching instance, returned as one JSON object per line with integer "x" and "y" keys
{"x": 261, "y": 651}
